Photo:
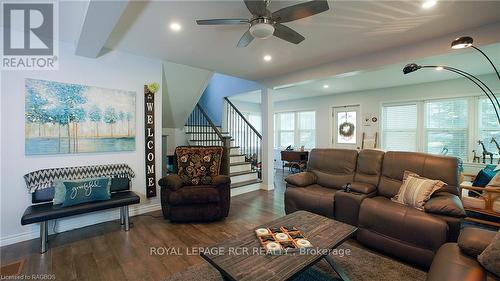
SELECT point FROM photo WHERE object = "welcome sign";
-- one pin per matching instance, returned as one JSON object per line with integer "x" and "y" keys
{"x": 149, "y": 133}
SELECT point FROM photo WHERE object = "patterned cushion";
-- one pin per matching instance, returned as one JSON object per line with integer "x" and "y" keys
{"x": 416, "y": 190}
{"x": 197, "y": 165}
{"x": 490, "y": 257}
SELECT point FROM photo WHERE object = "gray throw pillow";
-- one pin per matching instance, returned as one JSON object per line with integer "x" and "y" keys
{"x": 490, "y": 257}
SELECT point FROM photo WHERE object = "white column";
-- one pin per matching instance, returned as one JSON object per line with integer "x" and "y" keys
{"x": 267, "y": 139}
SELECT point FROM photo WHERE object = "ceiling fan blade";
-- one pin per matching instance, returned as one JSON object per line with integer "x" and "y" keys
{"x": 245, "y": 39}
{"x": 257, "y": 7}
{"x": 300, "y": 11}
{"x": 287, "y": 34}
{"x": 221, "y": 21}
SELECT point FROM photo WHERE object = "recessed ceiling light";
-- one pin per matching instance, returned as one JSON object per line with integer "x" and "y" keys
{"x": 439, "y": 68}
{"x": 268, "y": 58}
{"x": 325, "y": 86}
{"x": 427, "y": 4}
{"x": 175, "y": 26}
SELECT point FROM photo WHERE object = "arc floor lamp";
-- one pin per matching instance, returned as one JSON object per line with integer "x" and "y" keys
{"x": 460, "y": 43}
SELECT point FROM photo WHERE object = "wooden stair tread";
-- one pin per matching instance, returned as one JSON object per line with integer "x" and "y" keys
{"x": 244, "y": 183}
{"x": 239, "y": 163}
{"x": 242, "y": 173}
{"x": 236, "y": 155}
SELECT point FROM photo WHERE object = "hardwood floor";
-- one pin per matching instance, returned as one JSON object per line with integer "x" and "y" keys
{"x": 104, "y": 252}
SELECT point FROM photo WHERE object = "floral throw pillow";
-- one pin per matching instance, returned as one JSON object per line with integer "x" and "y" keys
{"x": 197, "y": 165}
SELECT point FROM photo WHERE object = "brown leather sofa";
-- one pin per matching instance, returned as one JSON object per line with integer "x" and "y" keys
{"x": 458, "y": 261}
{"x": 375, "y": 177}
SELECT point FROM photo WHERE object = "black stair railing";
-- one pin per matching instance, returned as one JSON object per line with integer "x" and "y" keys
{"x": 203, "y": 132}
{"x": 244, "y": 135}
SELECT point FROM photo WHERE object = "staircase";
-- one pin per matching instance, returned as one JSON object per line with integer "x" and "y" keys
{"x": 241, "y": 163}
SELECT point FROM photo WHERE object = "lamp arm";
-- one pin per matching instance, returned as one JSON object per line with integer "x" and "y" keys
{"x": 478, "y": 80}
{"x": 473, "y": 81}
{"x": 498, "y": 75}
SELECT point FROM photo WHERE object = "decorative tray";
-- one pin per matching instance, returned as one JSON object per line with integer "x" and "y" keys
{"x": 281, "y": 240}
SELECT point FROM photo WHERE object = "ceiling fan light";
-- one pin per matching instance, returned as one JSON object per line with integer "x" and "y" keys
{"x": 462, "y": 42}
{"x": 262, "y": 30}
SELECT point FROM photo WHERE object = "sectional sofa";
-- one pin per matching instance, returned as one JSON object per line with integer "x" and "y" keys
{"x": 375, "y": 177}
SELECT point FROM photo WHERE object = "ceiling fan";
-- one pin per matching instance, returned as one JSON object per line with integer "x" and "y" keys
{"x": 263, "y": 24}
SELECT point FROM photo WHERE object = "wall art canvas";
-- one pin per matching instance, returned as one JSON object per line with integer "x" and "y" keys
{"x": 62, "y": 118}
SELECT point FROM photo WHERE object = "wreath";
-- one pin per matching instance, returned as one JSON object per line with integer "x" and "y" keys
{"x": 346, "y": 129}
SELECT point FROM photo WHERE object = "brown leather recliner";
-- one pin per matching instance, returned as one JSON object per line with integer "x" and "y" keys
{"x": 314, "y": 190}
{"x": 390, "y": 227}
{"x": 403, "y": 231}
{"x": 184, "y": 202}
{"x": 458, "y": 261}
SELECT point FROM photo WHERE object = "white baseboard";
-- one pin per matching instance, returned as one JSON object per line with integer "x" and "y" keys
{"x": 79, "y": 221}
{"x": 264, "y": 186}
{"x": 245, "y": 189}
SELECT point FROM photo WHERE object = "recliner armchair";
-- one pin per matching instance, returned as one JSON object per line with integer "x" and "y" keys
{"x": 196, "y": 193}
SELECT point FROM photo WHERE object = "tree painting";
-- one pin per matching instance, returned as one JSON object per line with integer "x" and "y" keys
{"x": 71, "y": 118}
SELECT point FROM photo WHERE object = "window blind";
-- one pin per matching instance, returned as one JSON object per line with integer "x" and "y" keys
{"x": 399, "y": 125}
{"x": 446, "y": 127}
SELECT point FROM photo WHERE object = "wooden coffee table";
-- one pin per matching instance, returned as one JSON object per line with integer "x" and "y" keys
{"x": 231, "y": 260}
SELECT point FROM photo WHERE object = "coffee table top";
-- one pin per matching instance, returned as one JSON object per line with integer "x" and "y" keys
{"x": 322, "y": 232}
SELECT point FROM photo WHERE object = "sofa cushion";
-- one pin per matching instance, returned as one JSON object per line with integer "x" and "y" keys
{"x": 333, "y": 167}
{"x": 369, "y": 166}
{"x": 445, "y": 204}
{"x": 450, "y": 264}
{"x": 362, "y": 187}
{"x": 472, "y": 241}
{"x": 314, "y": 198}
{"x": 387, "y": 218}
{"x": 415, "y": 191}
{"x": 490, "y": 257}
{"x": 436, "y": 167}
{"x": 188, "y": 195}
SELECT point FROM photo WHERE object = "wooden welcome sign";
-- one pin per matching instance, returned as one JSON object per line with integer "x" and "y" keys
{"x": 149, "y": 133}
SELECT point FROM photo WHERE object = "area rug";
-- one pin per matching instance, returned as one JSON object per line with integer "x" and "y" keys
{"x": 360, "y": 265}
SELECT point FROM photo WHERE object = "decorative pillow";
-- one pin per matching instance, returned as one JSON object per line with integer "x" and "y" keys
{"x": 416, "y": 190}
{"x": 490, "y": 257}
{"x": 86, "y": 190}
{"x": 59, "y": 192}
{"x": 197, "y": 165}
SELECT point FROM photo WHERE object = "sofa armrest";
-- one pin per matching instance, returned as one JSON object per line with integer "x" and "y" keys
{"x": 473, "y": 241}
{"x": 446, "y": 204}
{"x": 301, "y": 179}
{"x": 362, "y": 187}
{"x": 172, "y": 182}
{"x": 220, "y": 180}
{"x": 223, "y": 185}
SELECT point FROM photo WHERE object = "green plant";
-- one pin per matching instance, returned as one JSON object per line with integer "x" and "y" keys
{"x": 153, "y": 87}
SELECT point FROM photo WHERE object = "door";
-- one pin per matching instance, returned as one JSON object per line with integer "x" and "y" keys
{"x": 346, "y": 121}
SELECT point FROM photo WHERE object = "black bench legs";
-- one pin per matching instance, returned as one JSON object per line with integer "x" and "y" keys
{"x": 124, "y": 217}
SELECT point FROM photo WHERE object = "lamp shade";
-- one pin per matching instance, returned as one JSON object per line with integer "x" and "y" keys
{"x": 462, "y": 42}
{"x": 411, "y": 67}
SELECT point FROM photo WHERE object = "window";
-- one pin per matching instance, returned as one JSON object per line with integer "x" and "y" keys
{"x": 399, "y": 123}
{"x": 488, "y": 126}
{"x": 295, "y": 129}
{"x": 446, "y": 127}
{"x": 455, "y": 127}
{"x": 307, "y": 129}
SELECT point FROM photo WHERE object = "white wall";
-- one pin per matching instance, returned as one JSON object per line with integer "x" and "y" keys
{"x": 113, "y": 70}
{"x": 371, "y": 101}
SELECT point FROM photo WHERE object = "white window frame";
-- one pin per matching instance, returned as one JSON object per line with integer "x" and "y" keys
{"x": 418, "y": 131}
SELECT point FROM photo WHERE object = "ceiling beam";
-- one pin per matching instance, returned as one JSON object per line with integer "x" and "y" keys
{"x": 100, "y": 20}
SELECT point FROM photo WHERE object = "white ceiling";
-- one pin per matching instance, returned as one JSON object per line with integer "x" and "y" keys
{"x": 388, "y": 76}
{"x": 348, "y": 29}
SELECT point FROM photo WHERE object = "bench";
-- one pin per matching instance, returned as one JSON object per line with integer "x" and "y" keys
{"x": 40, "y": 184}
